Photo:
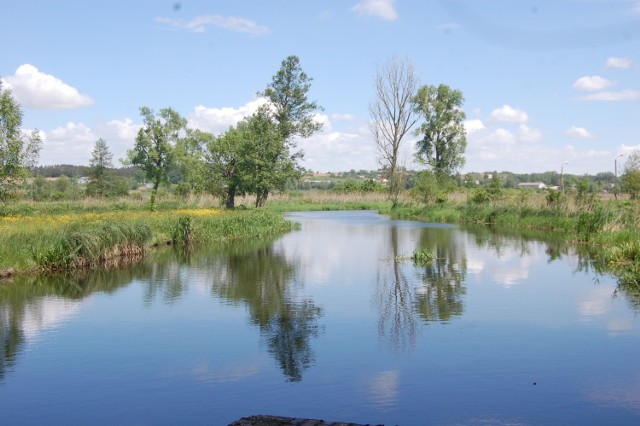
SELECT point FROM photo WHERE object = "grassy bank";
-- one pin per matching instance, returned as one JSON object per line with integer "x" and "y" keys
{"x": 610, "y": 229}
{"x": 42, "y": 242}
{"x": 71, "y": 234}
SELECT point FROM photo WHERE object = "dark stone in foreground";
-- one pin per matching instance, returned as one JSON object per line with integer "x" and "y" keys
{"x": 288, "y": 421}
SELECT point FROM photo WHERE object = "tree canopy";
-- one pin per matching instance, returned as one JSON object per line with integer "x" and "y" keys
{"x": 154, "y": 147}
{"x": 18, "y": 151}
{"x": 443, "y": 135}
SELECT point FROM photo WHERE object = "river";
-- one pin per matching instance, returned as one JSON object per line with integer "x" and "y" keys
{"x": 332, "y": 321}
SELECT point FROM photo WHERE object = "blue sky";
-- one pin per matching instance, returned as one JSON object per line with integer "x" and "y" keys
{"x": 545, "y": 82}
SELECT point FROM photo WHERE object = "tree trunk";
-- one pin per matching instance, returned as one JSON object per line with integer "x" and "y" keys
{"x": 231, "y": 197}
{"x": 154, "y": 193}
{"x": 261, "y": 197}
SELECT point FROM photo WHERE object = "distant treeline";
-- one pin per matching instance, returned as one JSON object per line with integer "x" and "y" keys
{"x": 597, "y": 182}
{"x": 70, "y": 170}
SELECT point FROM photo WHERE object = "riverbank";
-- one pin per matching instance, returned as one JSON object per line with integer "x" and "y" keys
{"x": 75, "y": 240}
{"x": 608, "y": 230}
{"x": 59, "y": 235}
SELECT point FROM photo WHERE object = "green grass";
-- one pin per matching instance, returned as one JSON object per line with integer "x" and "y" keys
{"x": 41, "y": 235}
{"x": 70, "y": 241}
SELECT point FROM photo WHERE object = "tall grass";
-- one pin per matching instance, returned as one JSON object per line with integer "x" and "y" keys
{"x": 80, "y": 245}
{"x": 71, "y": 241}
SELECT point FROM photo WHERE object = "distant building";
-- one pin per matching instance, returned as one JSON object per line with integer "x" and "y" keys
{"x": 532, "y": 185}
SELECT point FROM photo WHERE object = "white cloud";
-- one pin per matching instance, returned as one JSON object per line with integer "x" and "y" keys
{"x": 332, "y": 150}
{"x": 508, "y": 115}
{"x": 218, "y": 120}
{"x": 71, "y": 144}
{"x": 199, "y": 24}
{"x": 383, "y": 9}
{"x": 74, "y": 142}
{"x": 618, "y": 62}
{"x": 472, "y": 126}
{"x": 579, "y": 132}
{"x": 624, "y": 95}
{"x": 636, "y": 7}
{"x": 342, "y": 117}
{"x": 592, "y": 83}
{"x": 35, "y": 89}
{"x": 528, "y": 134}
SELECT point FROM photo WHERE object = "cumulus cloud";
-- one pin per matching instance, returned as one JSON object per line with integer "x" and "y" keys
{"x": 592, "y": 83}
{"x": 528, "y": 134}
{"x": 619, "y": 62}
{"x": 326, "y": 150}
{"x": 383, "y": 9}
{"x": 218, "y": 120}
{"x": 508, "y": 114}
{"x": 35, "y": 89}
{"x": 578, "y": 132}
{"x": 343, "y": 117}
{"x": 623, "y": 95}
{"x": 74, "y": 142}
{"x": 200, "y": 23}
{"x": 472, "y": 126}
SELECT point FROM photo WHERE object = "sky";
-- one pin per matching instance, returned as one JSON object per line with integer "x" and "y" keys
{"x": 548, "y": 85}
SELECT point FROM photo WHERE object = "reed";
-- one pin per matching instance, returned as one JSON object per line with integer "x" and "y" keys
{"x": 72, "y": 241}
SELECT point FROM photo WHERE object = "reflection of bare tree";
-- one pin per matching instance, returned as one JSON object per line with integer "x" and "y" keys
{"x": 394, "y": 297}
{"x": 440, "y": 296}
{"x": 262, "y": 280}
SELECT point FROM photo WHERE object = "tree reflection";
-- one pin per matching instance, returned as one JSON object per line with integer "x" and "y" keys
{"x": 262, "y": 279}
{"x": 31, "y": 297}
{"x": 394, "y": 296}
{"x": 440, "y": 297}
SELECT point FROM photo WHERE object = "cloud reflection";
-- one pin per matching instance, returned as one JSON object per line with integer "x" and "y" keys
{"x": 383, "y": 388}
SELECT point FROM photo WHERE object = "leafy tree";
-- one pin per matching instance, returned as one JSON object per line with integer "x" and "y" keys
{"x": 293, "y": 112}
{"x": 268, "y": 163}
{"x": 101, "y": 161}
{"x": 154, "y": 147}
{"x": 443, "y": 135}
{"x": 431, "y": 186}
{"x": 631, "y": 176}
{"x": 392, "y": 116}
{"x": 189, "y": 164}
{"x": 223, "y": 157}
{"x": 18, "y": 152}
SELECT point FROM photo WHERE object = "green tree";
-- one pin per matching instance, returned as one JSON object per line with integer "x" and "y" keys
{"x": 292, "y": 111}
{"x": 631, "y": 176}
{"x": 223, "y": 157}
{"x": 392, "y": 116}
{"x": 154, "y": 147}
{"x": 189, "y": 161}
{"x": 431, "y": 186}
{"x": 18, "y": 152}
{"x": 268, "y": 163}
{"x": 101, "y": 161}
{"x": 443, "y": 135}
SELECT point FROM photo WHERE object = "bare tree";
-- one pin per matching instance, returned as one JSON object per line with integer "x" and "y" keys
{"x": 392, "y": 115}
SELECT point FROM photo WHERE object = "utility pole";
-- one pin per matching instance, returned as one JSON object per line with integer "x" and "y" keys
{"x": 615, "y": 169}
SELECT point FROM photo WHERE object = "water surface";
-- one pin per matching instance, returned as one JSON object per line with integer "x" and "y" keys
{"x": 327, "y": 322}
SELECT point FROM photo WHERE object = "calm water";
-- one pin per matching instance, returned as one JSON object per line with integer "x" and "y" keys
{"x": 324, "y": 323}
